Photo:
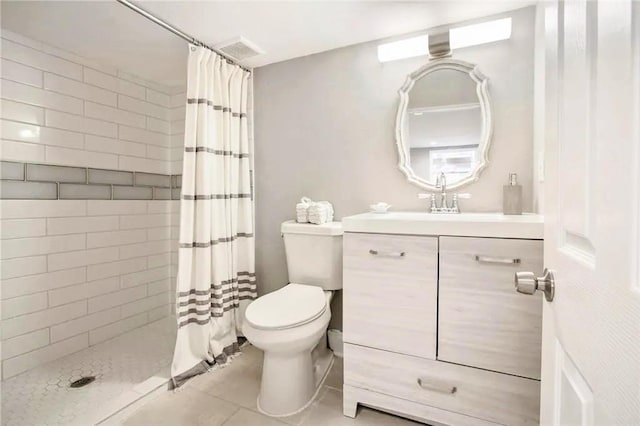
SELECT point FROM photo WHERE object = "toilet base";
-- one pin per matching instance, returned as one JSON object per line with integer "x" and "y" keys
{"x": 282, "y": 396}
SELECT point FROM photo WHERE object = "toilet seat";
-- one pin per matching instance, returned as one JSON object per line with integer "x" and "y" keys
{"x": 291, "y": 306}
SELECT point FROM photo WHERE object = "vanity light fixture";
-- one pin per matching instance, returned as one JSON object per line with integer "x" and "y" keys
{"x": 407, "y": 48}
{"x": 486, "y": 32}
{"x": 439, "y": 45}
{"x": 470, "y": 35}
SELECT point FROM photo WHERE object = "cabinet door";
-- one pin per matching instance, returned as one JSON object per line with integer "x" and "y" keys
{"x": 483, "y": 321}
{"x": 390, "y": 292}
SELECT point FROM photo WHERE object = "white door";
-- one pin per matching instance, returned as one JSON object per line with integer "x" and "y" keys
{"x": 591, "y": 329}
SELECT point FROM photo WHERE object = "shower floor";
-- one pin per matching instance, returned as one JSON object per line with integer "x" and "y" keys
{"x": 126, "y": 369}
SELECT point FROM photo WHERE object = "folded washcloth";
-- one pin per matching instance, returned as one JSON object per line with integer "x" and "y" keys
{"x": 302, "y": 210}
{"x": 320, "y": 212}
{"x": 317, "y": 212}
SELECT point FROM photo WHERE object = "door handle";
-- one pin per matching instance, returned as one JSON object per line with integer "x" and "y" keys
{"x": 528, "y": 283}
{"x": 502, "y": 260}
{"x": 436, "y": 386}
{"x": 387, "y": 253}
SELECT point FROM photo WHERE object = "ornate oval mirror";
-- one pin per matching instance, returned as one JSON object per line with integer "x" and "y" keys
{"x": 444, "y": 124}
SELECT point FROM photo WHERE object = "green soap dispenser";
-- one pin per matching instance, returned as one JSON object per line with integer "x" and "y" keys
{"x": 512, "y": 196}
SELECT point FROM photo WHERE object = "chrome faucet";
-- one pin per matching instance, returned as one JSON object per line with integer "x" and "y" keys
{"x": 441, "y": 184}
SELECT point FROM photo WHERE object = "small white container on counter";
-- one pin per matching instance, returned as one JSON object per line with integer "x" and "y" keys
{"x": 380, "y": 207}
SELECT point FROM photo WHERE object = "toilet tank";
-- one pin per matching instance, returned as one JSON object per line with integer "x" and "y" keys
{"x": 314, "y": 253}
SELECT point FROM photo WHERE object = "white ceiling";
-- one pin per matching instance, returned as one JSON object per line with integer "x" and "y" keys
{"x": 110, "y": 33}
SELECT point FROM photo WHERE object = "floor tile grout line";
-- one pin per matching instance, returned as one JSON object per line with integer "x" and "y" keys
{"x": 238, "y": 408}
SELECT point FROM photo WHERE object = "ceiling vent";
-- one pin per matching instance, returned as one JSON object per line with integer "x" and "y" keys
{"x": 239, "y": 49}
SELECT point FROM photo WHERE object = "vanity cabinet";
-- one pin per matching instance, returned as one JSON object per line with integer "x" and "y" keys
{"x": 472, "y": 392}
{"x": 393, "y": 289}
{"x": 482, "y": 321}
{"x": 435, "y": 331}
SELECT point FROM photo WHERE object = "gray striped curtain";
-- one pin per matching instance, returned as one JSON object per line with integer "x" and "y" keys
{"x": 216, "y": 266}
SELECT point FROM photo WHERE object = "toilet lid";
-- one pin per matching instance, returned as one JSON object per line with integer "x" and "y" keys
{"x": 292, "y": 305}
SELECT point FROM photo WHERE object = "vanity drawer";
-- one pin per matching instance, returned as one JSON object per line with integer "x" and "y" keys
{"x": 483, "y": 321}
{"x": 495, "y": 397}
{"x": 390, "y": 292}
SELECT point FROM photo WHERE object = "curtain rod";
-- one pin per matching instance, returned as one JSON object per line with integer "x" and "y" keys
{"x": 175, "y": 31}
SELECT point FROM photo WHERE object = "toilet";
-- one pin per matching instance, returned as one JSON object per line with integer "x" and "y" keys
{"x": 290, "y": 324}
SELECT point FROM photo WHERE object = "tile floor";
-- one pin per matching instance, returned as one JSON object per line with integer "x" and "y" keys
{"x": 227, "y": 396}
{"x": 126, "y": 368}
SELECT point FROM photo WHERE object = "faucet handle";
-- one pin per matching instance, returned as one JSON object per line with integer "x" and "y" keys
{"x": 433, "y": 207}
{"x": 454, "y": 204}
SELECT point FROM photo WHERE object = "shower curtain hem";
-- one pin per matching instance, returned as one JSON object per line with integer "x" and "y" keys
{"x": 181, "y": 379}
{"x": 204, "y": 366}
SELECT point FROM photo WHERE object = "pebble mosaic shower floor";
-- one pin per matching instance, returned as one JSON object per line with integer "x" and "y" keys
{"x": 126, "y": 368}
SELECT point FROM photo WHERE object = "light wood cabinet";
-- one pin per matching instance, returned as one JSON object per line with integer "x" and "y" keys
{"x": 414, "y": 291}
{"x": 392, "y": 294}
{"x": 482, "y": 321}
{"x": 499, "y": 398}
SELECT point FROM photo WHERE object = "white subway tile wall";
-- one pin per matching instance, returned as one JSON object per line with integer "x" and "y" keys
{"x": 89, "y": 268}
{"x": 176, "y": 138}
{"x": 77, "y": 272}
{"x": 79, "y": 114}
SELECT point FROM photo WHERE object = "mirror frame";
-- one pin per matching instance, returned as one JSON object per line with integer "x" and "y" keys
{"x": 485, "y": 109}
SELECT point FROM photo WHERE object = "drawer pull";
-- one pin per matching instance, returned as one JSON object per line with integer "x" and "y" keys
{"x": 501, "y": 260}
{"x": 387, "y": 253}
{"x": 442, "y": 388}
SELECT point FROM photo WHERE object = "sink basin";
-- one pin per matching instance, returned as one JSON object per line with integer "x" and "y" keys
{"x": 497, "y": 225}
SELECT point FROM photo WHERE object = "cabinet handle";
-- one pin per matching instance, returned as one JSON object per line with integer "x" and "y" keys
{"x": 387, "y": 253}
{"x": 441, "y": 387}
{"x": 501, "y": 260}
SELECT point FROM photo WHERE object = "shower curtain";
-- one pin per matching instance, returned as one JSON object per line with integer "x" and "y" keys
{"x": 216, "y": 266}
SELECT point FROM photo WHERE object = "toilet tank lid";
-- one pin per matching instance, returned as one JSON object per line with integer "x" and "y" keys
{"x": 329, "y": 228}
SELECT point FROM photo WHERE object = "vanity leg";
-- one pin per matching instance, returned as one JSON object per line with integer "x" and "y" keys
{"x": 349, "y": 403}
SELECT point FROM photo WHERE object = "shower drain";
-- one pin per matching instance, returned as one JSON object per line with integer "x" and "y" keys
{"x": 83, "y": 381}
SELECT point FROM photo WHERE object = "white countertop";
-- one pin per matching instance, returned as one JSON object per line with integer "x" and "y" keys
{"x": 496, "y": 225}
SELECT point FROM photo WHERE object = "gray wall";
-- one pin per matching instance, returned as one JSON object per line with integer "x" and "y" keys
{"x": 324, "y": 128}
